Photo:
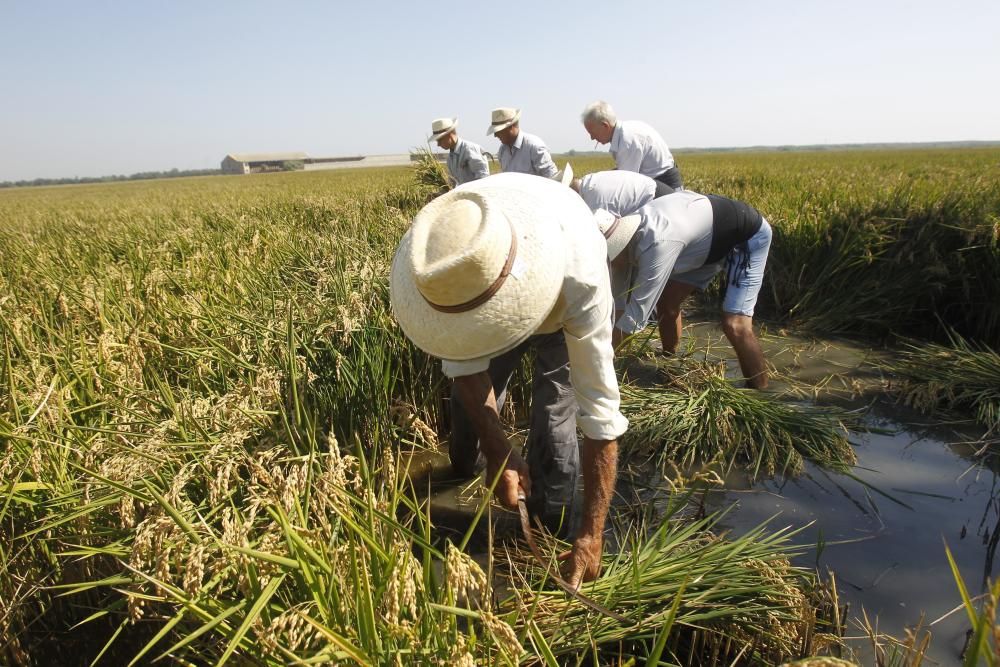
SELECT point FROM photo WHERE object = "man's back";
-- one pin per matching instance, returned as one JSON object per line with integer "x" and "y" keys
{"x": 527, "y": 155}
{"x": 466, "y": 162}
{"x": 638, "y": 147}
{"x": 619, "y": 192}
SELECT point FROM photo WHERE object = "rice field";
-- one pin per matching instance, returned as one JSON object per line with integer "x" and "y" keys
{"x": 207, "y": 409}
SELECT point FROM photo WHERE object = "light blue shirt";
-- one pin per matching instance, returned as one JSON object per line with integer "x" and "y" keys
{"x": 638, "y": 147}
{"x": 467, "y": 163}
{"x": 528, "y": 155}
{"x": 674, "y": 236}
{"x": 621, "y": 193}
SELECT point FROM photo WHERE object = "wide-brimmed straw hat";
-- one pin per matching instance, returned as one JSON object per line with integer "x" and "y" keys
{"x": 565, "y": 175}
{"x": 481, "y": 266}
{"x": 502, "y": 119}
{"x": 441, "y": 127}
{"x": 617, "y": 231}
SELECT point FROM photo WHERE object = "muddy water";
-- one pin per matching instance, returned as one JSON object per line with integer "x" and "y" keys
{"x": 918, "y": 485}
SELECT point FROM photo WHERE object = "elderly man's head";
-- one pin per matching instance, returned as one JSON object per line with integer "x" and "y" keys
{"x": 508, "y": 135}
{"x": 447, "y": 141}
{"x": 599, "y": 120}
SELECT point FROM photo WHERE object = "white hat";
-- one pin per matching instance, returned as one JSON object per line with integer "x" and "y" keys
{"x": 617, "y": 231}
{"x": 441, "y": 127}
{"x": 565, "y": 176}
{"x": 502, "y": 119}
{"x": 481, "y": 266}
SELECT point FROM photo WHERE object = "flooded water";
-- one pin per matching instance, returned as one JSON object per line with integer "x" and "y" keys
{"x": 919, "y": 484}
{"x": 883, "y": 531}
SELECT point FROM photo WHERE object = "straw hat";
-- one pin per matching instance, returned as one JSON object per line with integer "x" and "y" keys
{"x": 441, "y": 127}
{"x": 617, "y": 231}
{"x": 565, "y": 176}
{"x": 481, "y": 266}
{"x": 502, "y": 119}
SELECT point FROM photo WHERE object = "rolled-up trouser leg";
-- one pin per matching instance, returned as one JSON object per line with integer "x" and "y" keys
{"x": 671, "y": 177}
{"x": 553, "y": 449}
{"x": 463, "y": 445}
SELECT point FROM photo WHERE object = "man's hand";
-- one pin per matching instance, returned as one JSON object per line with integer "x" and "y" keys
{"x": 475, "y": 392}
{"x": 583, "y": 562}
{"x": 515, "y": 480}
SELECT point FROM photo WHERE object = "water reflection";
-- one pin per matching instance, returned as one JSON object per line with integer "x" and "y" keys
{"x": 882, "y": 529}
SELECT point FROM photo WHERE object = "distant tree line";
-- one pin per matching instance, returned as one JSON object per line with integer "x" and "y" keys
{"x": 140, "y": 176}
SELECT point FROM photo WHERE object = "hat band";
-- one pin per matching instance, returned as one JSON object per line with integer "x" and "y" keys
{"x": 612, "y": 228}
{"x": 491, "y": 290}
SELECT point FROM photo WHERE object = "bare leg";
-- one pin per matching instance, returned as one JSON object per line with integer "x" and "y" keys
{"x": 739, "y": 331}
{"x": 668, "y": 310}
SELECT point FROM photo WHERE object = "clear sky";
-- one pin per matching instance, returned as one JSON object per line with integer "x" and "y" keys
{"x": 93, "y": 88}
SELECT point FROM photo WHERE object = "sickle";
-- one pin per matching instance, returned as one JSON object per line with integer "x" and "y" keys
{"x": 537, "y": 553}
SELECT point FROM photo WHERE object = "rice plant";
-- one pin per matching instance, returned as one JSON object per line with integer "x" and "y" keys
{"x": 429, "y": 172}
{"x": 961, "y": 375}
{"x": 691, "y": 597}
{"x": 700, "y": 417}
{"x": 203, "y": 394}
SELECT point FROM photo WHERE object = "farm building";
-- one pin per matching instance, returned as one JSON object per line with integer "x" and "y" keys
{"x": 249, "y": 163}
{"x": 254, "y": 163}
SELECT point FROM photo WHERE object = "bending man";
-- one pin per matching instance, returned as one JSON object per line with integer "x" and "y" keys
{"x": 465, "y": 159}
{"x": 620, "y": 193}
{"x": 634, "y": 145}
{"x": 485, "y": 273}
{"x": 675, "y": 245}
{"x": 519, "y": 151}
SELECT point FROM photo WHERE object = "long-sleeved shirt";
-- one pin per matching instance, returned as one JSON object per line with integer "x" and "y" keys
{"x": 674, "y": 236}
{"x": 582, "y": 310}
{"x": 528, "y": 155}
{"x": 621, "y": 193}
{"x": 638, "y": 147}
{"x": 466, "y": 162}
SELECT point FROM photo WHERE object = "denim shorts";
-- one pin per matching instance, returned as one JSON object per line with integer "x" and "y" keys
{"x": 743, "y": 288}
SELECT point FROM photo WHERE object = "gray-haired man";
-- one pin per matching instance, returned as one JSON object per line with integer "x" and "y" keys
{"x": 635, "y": 145}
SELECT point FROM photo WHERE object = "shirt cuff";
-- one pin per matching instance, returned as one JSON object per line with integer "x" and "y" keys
{"x": 456, "y": 369}
{"x": 602, "y": 428}
{"x": 628, "y": 324}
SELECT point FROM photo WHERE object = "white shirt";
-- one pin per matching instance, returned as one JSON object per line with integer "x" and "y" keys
{"x": 466, "y": 162}
{"x": 583, "y": 310}
{"x": 638, "y": 147}
{"x": 674, "y": 236}
{"x": 527, "y": 155}
{"x": 621, "y": 193}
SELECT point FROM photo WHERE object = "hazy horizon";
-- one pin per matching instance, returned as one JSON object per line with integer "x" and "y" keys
{"x": 101, "y": 88}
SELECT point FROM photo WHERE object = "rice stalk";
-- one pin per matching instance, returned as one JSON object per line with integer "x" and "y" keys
{"x": 702, "y": 418}
{"x": 961, "y": 375}
{"x": 430, "y": 173}
{"x": 711, "y": 595}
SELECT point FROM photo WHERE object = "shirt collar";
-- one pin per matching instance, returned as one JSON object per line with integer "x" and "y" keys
{"x": 457, "y": 146}
{"x": 616, "y": 136}
{"x": 519, "y": 140}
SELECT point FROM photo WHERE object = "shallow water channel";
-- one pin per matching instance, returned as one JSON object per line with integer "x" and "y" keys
{"x": 919, "y": 483}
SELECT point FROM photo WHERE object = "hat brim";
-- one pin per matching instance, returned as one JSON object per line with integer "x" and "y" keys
{"x": 438, "y": 135}
{"x": 537, "y": 209}
{"x": 565, "y": 176}
{"x": 496, "y": 127}
{"x": 621, "y": 234}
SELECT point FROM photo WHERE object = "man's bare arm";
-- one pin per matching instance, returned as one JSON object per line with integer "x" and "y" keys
{"x": 600, "y": 468}
{"x": 475, "y": 392}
